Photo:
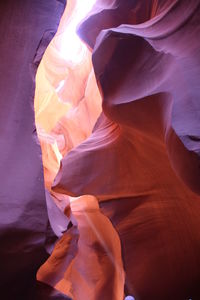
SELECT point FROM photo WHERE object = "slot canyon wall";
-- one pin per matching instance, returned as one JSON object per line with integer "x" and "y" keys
{"x": 115, "y": 209}
{"x": 26, "y": 28}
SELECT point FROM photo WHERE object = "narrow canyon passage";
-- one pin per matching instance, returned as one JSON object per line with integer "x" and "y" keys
{"x": 99, "y": 149}
{"x": 67, "y": 106}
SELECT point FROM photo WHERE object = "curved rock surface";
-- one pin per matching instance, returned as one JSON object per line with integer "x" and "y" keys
{"x": 130, "y": 151}
{"x": 146, "y": 61}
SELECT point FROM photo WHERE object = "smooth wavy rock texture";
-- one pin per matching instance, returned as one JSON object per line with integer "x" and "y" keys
{"x": 119, "y": 215}
{"x": 141, "y": 161}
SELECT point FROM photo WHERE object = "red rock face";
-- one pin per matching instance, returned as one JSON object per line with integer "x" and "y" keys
{"x": 124, "y": 122}
{"x": 146, "y": 179}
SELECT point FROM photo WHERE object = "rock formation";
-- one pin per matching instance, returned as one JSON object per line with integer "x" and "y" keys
{"x": 145, "y": 178}
{"x": 25, "y": 31}
{"x": 119, "y": 133}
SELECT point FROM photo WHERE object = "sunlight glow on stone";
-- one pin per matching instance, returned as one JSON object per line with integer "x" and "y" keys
{"x": 72, "y": 48}
{"x": 60, "y": 86}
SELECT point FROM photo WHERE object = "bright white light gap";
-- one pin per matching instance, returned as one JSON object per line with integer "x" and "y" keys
{"x": 72, "y": 49}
